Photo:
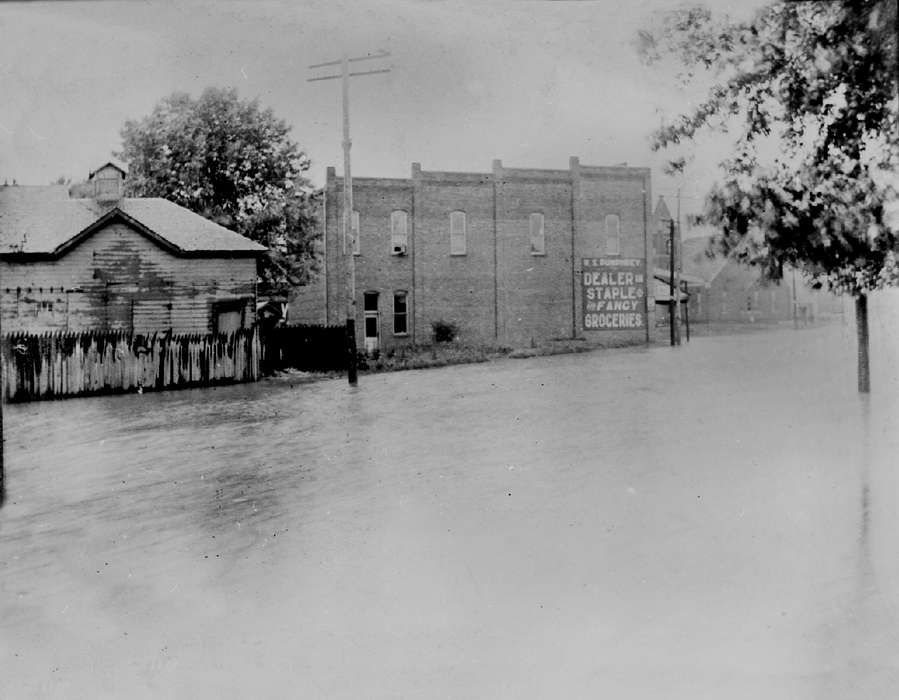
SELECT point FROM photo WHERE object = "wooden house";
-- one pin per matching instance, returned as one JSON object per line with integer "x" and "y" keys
{"x": 106, "y": 262}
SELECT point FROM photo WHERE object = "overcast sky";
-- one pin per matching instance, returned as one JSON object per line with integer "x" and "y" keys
{"x": 531, "y": 83}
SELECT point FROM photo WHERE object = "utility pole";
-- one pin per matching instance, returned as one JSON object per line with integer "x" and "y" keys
{"x": 2, "y": 446}
{"x": 672, "y": 288}
{"x": 675, "y": 256}
{"x": 349, "y": 235}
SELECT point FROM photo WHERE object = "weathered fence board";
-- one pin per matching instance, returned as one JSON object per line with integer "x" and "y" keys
{"x": 54, "y": 365}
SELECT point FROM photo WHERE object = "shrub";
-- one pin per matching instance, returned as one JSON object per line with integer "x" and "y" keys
{"x": 444, "y": 331}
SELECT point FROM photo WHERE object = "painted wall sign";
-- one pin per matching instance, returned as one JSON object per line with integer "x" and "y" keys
{"x": 614, "y": 294}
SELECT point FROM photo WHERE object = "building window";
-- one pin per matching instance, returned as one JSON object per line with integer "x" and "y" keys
{"x": 399, "y": 232}
{"x": 458, "y": 233}
{"x": 400, "y": 313}
{"x": 227, "y": 316}
{"x": 613, "y": 235}
{"x": 355, "y": 226}
{"x": 538, "y": 238}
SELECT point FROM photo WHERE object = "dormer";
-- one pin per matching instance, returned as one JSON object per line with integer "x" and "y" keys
{"x": 109, "y": 183}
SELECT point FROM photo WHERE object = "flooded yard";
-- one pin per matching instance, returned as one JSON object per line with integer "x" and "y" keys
{"x": 714, "y": 521}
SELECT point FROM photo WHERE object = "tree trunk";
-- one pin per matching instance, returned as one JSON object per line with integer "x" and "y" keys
{"x": 861, "y": 327}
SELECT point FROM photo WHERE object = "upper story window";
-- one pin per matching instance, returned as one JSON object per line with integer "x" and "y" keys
{"x": 613, "y": 235}
{"x": 538, "y": 238}
{"x": 399, "y": 232}
{"x": 355, "y": 232}
{"x": 458, "y": 233}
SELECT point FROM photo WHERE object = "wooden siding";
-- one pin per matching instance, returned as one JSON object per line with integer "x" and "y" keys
{"x": 118, "y": 279}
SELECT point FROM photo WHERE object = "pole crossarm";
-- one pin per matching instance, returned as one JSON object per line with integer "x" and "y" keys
{"x": 337, "y": 76}
{"x": 380, "y": 54}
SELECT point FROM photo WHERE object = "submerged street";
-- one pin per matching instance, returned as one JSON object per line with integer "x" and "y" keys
{"x": 714, "y": 521}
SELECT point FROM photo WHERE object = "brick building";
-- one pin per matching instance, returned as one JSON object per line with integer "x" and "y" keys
{"x": 512, "y": 257}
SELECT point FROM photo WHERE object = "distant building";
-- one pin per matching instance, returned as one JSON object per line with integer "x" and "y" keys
{"x": 722, "y": 289}
{"x": 662, "y": 222}
{"x": 106, "y": 262}
{"x": 732, "y": 291}
{"x": 511, "y": 257}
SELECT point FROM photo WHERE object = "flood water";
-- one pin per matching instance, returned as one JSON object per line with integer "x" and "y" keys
{"x": 715, "y": 521}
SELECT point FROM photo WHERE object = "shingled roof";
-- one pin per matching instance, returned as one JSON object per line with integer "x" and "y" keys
{"x": 43, "y": 221}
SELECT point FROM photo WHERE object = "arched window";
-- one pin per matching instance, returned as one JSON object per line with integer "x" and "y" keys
{"x": 613, "y": 235}
{"x": 458, "y": 233}
{"x": 399, "y": 232}
{"x": 538, "y": 238}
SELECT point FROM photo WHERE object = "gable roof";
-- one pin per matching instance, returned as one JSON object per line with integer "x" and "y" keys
{"x": 661, "y": 212}
{"x": 114, "y": 163}
{"x": 43, "y": 221}
{"x": 696, "y": 262}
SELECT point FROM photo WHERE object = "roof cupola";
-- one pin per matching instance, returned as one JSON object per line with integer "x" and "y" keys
{"x": 109, "y": 183}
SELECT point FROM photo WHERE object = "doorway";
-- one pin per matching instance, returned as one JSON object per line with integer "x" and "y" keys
{"x": 372, "y": 321}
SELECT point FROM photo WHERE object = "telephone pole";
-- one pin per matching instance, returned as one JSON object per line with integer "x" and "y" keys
{"x": 2, "y": 446}
{"x": 676, "y": 258}
{"x": 673, "y": 289}
{"x": 349, "y": 235}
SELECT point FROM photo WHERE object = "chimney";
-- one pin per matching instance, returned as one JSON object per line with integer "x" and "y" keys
{"x": 109, "y": 184}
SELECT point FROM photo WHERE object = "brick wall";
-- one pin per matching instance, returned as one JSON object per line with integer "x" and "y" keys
{"x": 458, "y": 288}
{"x": 497, "y": 290}
{"x": 535, "y": 291}
{"x": 625, "y": 192}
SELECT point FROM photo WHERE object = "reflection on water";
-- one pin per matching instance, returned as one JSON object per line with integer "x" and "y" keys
{"x": 861, "y": 639}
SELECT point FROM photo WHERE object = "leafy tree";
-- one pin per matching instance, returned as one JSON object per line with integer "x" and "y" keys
{"x": 233, "y": 162}
{"x": 810, "y": 89}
